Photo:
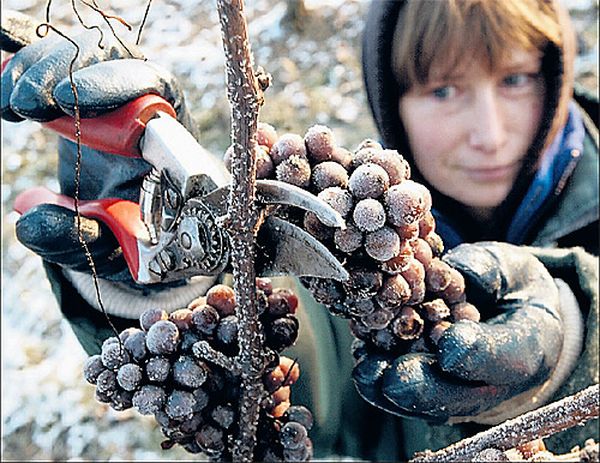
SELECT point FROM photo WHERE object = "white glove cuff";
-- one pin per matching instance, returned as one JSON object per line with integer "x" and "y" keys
{"x": 124, "y": 301}
{"x": 573, "y": 329}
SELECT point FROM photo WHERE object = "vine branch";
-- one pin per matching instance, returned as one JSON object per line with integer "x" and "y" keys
{"x": 245, "y": 97}
{"x": 545, "y": 421}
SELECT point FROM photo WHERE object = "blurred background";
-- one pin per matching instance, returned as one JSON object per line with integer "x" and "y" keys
{"x": 312, "y": 50}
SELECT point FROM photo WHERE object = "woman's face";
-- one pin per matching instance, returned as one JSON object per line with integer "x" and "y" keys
{"x": 470, "y": 132}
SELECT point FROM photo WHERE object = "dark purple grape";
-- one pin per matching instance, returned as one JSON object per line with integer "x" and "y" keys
{"x": 162, "y": 338}
{"x": 282, "y": 332}
{"x": 265, "y": 168}
{"x": 149, "y": 399}
{"x": 189, "y": 372}
{"x": 223, "y": 415}
{"x": 210, "y": 439}
{"x": 325, "y": 291}
{"x": 385, "y": 339}
{"x": 151, "y": 316}
{"x": 103, "y": 397}
{"x": 338, "y": 198}
{"x": 266, "y": 135}
{"x": 106, "y": 383}
{"x": 92, "y": 368}
{"x": 135, "y": 344}
{"x": 369, "y": 215}
{"x": 406, "y": 203}
{"x": 201, "y": 399}
{"x": 157, "y": 369}
{"x": 121, "y": 400}
{"x": 227, "y": 330}
{"x": 295, "y": 171}
{"x": 382, "y": 244}
{"x": 129, "y": 376}
{"x": 393, "y": 163}
{"x": 123, "y": 335}
{"x": 114, "y": 355}
{"x": 299, "y": 414}
{"x": 188, "y": 339}
{"x": 205, "y": 319}
{"x": 180, "y": 405}
{"x": 438, "y": 275}
{"x": 192, "y": 424}
{"x": 348, "y": 239}
{"x": 319, "y": 142}
{"x": 286, "y": 146}
{"x": 282, "y": 301}
{"x": 360, "y": 307}
{"x": 368, "y": 181}
{"x": 192, "y": 447}
{"x": 329, "y": 174}
{"x": 292, "y": 435}
{"x": 363, "y": 282}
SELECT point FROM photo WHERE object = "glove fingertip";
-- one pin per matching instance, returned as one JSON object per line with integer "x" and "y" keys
{"x": 45, "y": 227}
{"x": 30, "y": 101}
{"x": 369, "y": 369}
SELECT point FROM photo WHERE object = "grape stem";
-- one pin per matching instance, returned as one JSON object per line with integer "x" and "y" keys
{"x": 245, "y": 95}
{"x": 545, "y": 421}
{"x": 204, "y": 351}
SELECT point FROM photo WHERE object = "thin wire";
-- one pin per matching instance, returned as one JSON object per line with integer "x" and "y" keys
{"x": 94, "y": 6}
{"x": 139, "y": 35}
{"x": 42, "y": 31}
{"x": 74, "y": 8}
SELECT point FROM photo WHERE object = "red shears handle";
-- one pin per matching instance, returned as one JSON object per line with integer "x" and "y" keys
{"x": 116, "y": 132}
{"x": 120, "y": 215}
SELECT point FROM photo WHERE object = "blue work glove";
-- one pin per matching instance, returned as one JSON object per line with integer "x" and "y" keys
{"x": 36, "y": 86}
{"x": 478, "y": 367}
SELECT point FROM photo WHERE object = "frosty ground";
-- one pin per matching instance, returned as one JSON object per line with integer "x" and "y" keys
{"x": 48, "y": 411}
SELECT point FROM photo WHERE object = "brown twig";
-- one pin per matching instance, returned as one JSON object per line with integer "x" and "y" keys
{"x": 545, "y": 421}
{"x": 245, "y": 98}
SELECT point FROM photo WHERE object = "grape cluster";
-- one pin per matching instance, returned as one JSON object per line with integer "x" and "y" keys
{"x": 157, "y": 369}
{"x": 400, "y": 296}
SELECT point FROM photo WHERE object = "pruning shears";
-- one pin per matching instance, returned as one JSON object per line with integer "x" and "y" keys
{"x": 176, "y": 231}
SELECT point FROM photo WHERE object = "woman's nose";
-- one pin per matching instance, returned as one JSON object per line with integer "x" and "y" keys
{"x": 488, "y": 132}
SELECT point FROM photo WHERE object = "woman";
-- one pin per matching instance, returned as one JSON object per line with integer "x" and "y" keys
{"x": 478, "y": 96}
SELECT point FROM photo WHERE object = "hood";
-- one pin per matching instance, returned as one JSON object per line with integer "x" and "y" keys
{"x": 382, "y": 94}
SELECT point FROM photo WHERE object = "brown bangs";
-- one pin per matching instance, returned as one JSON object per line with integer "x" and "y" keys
{"x": 435, "y": 37}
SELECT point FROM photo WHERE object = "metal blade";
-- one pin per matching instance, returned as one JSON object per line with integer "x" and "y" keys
{"x": 287, "y": 249}
{"x": 276, "y": 192}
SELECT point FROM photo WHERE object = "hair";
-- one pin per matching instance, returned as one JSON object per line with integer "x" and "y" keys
{"x": 437, "y": 35}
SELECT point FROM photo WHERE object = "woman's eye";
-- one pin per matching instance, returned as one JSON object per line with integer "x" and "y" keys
{"x": 445, "y": 92}
{"x": 517, "y": 80}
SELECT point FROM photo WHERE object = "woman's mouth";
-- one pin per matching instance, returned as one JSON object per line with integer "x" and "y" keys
{"x": 490, "y": 174}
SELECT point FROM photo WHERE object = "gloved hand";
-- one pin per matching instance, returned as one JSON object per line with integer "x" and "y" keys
{"x": 478, "y": 366}
{"x": 35, "y": 85}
